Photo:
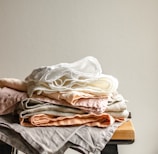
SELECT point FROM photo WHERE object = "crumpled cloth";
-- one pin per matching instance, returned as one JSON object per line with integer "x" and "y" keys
{"x": 36, "y": 113}
{"x": 79, "y": 98}
{"x": 54, "y": 140}
{"x": 83, "y": 75}
{"x": 119, "y": 114}
{"x": 13, "y": 83}
{"x": 9, "y": 99}
{"x": 29, "y": 107}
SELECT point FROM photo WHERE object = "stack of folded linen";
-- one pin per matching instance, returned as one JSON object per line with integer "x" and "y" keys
{"x": 73, "y": 96}
{"x": 65, "y": 94}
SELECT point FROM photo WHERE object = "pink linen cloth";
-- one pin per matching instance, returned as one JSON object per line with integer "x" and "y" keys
{"x": 9, "y": 99}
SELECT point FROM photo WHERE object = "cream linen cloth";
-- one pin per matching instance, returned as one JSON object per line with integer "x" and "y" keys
{"x": 116, "y": 103}
{"x": 117, "y": 106}
{"x": 83, "y": 75}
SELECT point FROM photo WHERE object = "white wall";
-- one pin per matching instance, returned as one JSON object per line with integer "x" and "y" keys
{"x": 122, "y": 35}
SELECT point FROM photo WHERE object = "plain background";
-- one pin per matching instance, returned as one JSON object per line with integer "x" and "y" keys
{"x": 121, "y": 34}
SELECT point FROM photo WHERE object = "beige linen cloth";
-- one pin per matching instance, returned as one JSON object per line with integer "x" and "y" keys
{"x": 54, "y": 140}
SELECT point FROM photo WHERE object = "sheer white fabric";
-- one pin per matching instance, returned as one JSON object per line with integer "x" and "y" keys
{"x": 82, "y": 75}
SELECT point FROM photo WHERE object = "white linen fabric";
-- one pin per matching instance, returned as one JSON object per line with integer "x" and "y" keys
{"x": 82, "y": 75}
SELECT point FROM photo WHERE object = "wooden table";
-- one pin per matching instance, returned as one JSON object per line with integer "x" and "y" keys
{"x": 125, "y": 134}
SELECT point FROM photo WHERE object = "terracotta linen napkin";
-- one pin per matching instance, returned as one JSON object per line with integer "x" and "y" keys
{"x": 99, "y": 120}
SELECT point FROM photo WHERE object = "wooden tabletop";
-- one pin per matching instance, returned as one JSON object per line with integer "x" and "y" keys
{"x": 125, "y": 132}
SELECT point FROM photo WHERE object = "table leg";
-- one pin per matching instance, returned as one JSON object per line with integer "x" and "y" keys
{"x": 110, "y": 149}
{"x": 5, "y": 148}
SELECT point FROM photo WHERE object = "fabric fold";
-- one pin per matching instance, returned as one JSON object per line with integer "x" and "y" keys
{"x": 101, "y": 120}
{"x": 37, "y": 113}
{"x": 61, "y": 106}
{"x": 9, "y": 99}
{"x": 55, "y": 140}
{"x": 82, "y": 75}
